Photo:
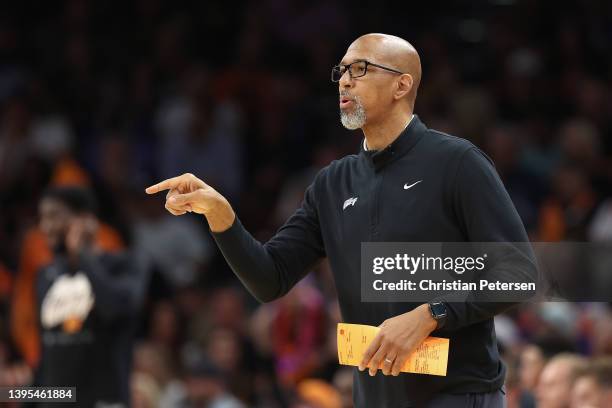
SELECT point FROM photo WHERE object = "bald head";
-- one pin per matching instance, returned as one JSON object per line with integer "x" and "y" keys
{"x": 394, "y": 52}
{"x": 378, "y": 97}
{"x": 556, "y": 380}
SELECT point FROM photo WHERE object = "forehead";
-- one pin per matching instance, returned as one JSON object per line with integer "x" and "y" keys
{"x": 361, "y": 50}
{"x": 49, "y": 204}
{"x": 587, "y": 382}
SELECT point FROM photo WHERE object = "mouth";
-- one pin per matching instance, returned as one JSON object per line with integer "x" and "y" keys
{"x": 345, "y": 102}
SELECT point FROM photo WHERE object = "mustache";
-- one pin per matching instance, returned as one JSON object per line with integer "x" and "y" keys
{"x": 346, "y": 94}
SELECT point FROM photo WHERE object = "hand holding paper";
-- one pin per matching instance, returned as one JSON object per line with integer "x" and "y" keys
{"x": 431, "y": 357}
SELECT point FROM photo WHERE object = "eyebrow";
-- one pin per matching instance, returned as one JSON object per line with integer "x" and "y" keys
{"x": 355, "y": 60}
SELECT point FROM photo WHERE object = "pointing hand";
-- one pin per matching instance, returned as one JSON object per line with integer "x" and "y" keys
{"x": 187, "y": 193}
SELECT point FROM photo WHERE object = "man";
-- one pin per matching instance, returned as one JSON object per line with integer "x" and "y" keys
{"x": 88, "y": 302}
{"x": 593, "y": 385}
{"x": 205, "y": 387}
{"x": 408, "y": 183}
{"x": 556, "y": 381}
{"x": 532, "y": 361}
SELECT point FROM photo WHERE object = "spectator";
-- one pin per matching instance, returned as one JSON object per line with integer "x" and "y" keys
{"x": 204, "y": 387}
{"x": 593, "y": 385}
{"x": 532, "y": 362}
{"x": 88, "y": 301}
{"x": 556, "y": 381}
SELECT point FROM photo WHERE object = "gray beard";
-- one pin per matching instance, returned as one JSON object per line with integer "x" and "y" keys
{"x": 355, "y": 119}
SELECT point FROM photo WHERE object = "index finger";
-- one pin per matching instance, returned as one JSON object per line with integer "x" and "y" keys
{"x": 163, "y": 185}
{"x": 370, "y": 351}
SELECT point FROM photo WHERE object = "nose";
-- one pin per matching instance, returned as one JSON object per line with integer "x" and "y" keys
{"x": 345, "y": 81}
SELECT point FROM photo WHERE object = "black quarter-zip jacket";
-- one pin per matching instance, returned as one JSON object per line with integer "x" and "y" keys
{"x": 458, "y": 197}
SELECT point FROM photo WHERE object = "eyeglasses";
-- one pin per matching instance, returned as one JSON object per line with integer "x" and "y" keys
{"x": 357, "y": 69}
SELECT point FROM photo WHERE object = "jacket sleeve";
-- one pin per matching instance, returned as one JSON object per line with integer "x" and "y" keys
{"x": 488, "y": 218}
{"x": 117, "y": 281}
{"x": 270, "y": 270}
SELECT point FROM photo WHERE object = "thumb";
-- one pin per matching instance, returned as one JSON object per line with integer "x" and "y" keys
{"x": 187, "y": 198}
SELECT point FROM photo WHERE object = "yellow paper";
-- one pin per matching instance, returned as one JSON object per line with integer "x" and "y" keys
{"x": 431, "y": 357}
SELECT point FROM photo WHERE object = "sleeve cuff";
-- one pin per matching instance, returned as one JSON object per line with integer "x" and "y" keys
{"x": 229, "y": 236}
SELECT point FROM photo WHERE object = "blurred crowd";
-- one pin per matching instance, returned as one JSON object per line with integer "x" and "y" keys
{"x": 118, "y": 95}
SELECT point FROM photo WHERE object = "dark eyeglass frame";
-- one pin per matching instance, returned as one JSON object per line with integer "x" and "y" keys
{"x": 342, "y": 68}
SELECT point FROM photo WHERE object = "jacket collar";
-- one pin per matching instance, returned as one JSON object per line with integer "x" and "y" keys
{"x": 398, "y": 148}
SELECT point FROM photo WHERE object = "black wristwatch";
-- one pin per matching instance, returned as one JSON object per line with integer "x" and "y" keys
{"x": 438, "y": 312}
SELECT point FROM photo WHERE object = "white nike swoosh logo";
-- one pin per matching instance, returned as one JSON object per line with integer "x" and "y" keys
{"x": 350, "y": 201}
{"x": 406, "y": 186}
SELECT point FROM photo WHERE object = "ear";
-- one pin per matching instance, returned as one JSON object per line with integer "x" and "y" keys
{"x": 404, "y": 86}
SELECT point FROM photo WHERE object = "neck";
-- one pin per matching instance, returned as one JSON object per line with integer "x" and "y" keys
{"x": 380, "y": 135}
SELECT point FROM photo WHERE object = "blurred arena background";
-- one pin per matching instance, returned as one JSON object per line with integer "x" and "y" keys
{"x": 117, "y": 95}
